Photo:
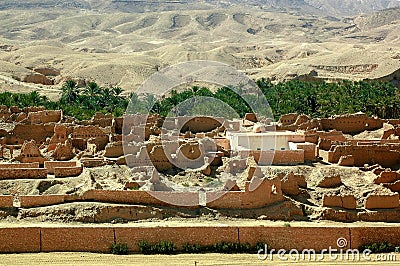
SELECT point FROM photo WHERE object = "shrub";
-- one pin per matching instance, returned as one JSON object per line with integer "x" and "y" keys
{"x": 164, "y": 247}
{"x": 119, "y": 249}
{"x": 397, "y": 249}
{"x": 382, "y": 247}
{"x": 258, "y": 246}
{"x": 286, "y": 225}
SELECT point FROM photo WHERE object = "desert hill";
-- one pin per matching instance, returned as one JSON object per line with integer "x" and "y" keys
{"x": 123, "y": 48}
{"x": 319, "y": 7}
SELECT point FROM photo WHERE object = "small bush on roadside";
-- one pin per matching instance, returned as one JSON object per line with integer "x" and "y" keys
{"x": 164, "y": 247}
{"x": 382, "y": 247}
{"x": 119, "y": 249}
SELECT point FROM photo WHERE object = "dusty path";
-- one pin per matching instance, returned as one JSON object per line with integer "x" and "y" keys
{"x": 188, "y": 259}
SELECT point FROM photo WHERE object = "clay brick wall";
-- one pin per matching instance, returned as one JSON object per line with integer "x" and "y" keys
{"x": 87, "y": 162}
{"x": 72, "y": 239}
{"x": 258, "y": 193}
{"x": 51, "y": 165}
{"x": 23, "y": 173}
{"x": 291, "y": 157}
{"x": 61, "y": 172}
{"x": 367, "y": 235}
{"x": 114, "y": 150}
{"x": 387, "y": 177}
{"x": 351, "y": 123}
{"x": 41, "y": 200}
{"x": 299, "y": 238}
{"x": 6, "y": 201}
{"x": 99, "y": 239}
{"x": 310, "y": 150}
{"x": 287, "y": 157}
{"x": 43, "y": 117}
{"x": 141, "y": 197}
{"x": 20, "y": 240}
{"x": 178, "y": 235}
{"x": 223, "y": 142}
{"x": 88, "y": 132}
{"x": 18, "y": 165}
{"x": 201, "y": 124}
{"x": 347, "y": 201}
{"x": 37, "y": 132}
{"x": 288, "y": 119}
{"x": 368, "y": 154}
{"x": 382, "y": 201}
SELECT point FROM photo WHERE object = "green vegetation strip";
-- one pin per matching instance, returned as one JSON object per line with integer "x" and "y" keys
{"x": 316, "y": 99}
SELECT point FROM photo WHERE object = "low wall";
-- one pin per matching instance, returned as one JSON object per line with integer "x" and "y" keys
{"x": 99, "y": 239}
{"x": 347, "y": 201}
{"x": 41, "y": 200}
{"x": 277, "y": 157}
{"x": 20, "y": 240}
{"x": 299, "y": 238}
{"x": 61, "y": 172}
{"x": 77, "y": 239}
{"x": 6, "y": 201}
{"x": 178, "y": 235}
{"x": 382, "y": 201}
{"x": 51, "y": 165}
{"x": 23, "y": 173}
{"x": 18, "y": 165}
{"x": 142, "y": 197}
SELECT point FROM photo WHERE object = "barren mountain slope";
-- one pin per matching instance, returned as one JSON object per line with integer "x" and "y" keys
{"x": 125, "y": 48}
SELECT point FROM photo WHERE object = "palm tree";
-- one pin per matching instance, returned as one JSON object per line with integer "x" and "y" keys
{"x": 69, "y": 91}
{"x": 116, "y": 91}
{"x": 92, "y": 89}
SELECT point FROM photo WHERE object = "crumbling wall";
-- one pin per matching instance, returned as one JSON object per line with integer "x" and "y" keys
{"x": 201, "y": 124}
{"x": 19, "y": 165}
{"x": 351, "y": 124}
{"x": 51, "y": 165}
{"x": 44, "y": 117}
{"x": 366, "y": 154}
{"x": 23, "y": 173}
{"x": 258, "y": 193}
{"x": 60, "y": 172}
{"x": 310, "y": 150}
{"x": 277, "y": 157}
{"x": 63, "y": 151}
{"x": 382, "y": 201}
{"x": 37, "y": 132}
{"x": 6, "y": 201}
{"x": 114, "y": 150}
{"x": 387, "y": 177}
{"x": 91, "y": 132}
{"x": 40, "y": 200}
{"x": 141, "y": 197}
{"x": 339, "y": 201}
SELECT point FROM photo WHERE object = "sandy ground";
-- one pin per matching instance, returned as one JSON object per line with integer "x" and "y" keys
{"x": 179, "y": 222}
{"x": 187, "y": 259}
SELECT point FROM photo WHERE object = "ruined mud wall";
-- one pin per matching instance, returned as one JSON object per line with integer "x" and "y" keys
{"x": 37, "y": 132}
{"x": 51, "y": 165}
{"x": 61, "y": 172}
{"x": 366, "y": 154}
{"x": 287, "y": 157}
{"x": 18, "y": 165}
{"x": 139, "y": 197}
{"x": 23, "y": 173}
{"x": 41, "y": 200}
{"x": 265, "y": 192}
